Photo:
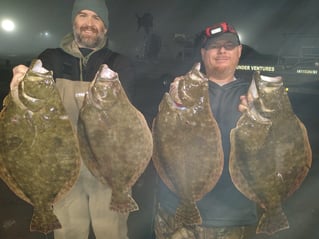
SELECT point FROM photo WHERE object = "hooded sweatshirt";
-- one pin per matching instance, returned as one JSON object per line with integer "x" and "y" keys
{"x": 224, "y": 206}
{"x": 68, "y": 62}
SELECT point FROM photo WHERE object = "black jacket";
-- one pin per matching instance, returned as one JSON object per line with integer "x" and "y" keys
{"x": 68, "y": 62}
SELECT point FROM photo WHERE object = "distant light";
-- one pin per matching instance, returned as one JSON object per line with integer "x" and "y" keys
{"x": 45, "y": 34}
{"x": 7, "y": 25}
{"x": 241, "y": 37}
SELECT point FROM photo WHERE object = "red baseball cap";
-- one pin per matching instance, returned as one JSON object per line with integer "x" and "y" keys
{"x": 220, "y": 31}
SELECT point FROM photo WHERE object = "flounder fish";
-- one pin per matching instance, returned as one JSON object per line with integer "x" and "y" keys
{"x": 115, "y": 139}
{"x": 270, "y": 151}
{"x": 188, "y": 153}
{"x": 39, "y": 154}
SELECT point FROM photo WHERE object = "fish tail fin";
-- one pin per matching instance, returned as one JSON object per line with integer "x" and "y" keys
{"x": 188, "y": 213}
{"x": 272, "y": 221}
{"x": 44, "y": 221}
{"x": 123, "y": 204}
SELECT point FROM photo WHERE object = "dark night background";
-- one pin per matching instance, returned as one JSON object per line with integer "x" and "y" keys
{"x": 283, "y": 34}
{"x": 268, "y": 26}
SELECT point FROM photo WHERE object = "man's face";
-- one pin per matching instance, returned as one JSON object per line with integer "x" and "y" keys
{"x": 221, "y": 58}
{"x": 89, "y": 29}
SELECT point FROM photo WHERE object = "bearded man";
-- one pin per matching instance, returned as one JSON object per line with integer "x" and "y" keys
{"x": 74, "y": 65}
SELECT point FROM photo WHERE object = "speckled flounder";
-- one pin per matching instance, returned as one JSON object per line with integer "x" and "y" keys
{"x": 188, "y": 152}
{"x": 116, "y": 142}
{"x": 270, "y": 151}
{"x": 39, "y": 154}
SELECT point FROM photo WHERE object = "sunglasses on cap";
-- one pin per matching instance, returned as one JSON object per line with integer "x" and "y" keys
{"x": 223, "y": 27}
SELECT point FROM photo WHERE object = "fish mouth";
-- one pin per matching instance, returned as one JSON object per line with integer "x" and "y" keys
{"x": 274, "y": 80}
{"x": 106, "y": 73}
{"x": 37, "y": 85}
{"x": 104, "y": 84}
{"x": 266, "y": 85}
{"x": 36, "y": 67}
{"x": 252, "y": 97}
{"x": 258, "y": 84}
{"x": 173, "y": 103}
{"x": 183, "y": 91}
{"x": 30, "y": 98}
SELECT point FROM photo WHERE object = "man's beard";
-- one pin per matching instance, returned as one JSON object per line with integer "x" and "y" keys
{"x": 88, "y": 41}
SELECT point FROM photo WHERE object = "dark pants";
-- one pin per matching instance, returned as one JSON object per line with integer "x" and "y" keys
{"x": 165, "y": 228}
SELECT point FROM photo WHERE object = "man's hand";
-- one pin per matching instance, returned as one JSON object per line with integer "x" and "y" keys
{"x": 243, "y": 105}
{"x": 18, "y": 74}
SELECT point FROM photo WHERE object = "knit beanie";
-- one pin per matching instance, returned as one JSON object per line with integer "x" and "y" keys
{"x": 97, "y": 6}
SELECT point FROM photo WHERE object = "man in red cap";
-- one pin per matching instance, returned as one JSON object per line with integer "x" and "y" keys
{"x": 225, "y": 212}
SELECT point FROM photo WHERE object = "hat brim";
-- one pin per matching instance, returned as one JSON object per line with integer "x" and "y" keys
{"x": 231, "y": 37}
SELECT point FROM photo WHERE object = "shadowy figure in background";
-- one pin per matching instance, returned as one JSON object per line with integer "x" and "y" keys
{"x": 145, "y": 22}
{"x": 152, "y": 42}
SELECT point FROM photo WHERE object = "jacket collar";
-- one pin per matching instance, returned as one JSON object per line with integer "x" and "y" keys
{"x": 69, "y": 45}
